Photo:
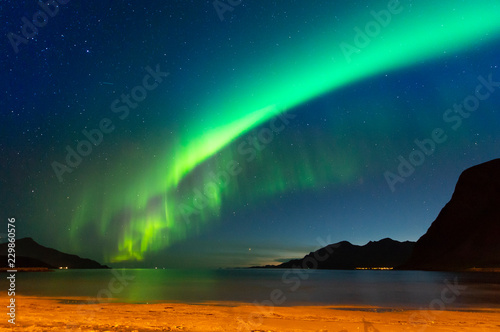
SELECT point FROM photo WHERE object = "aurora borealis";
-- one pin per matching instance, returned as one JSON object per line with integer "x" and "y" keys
{"x": 258, "y": 141}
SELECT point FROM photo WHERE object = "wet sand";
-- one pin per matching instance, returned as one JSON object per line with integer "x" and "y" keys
{"x": 76, "y": 314}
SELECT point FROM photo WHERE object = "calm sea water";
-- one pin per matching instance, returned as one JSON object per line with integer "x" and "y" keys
{"x": 401, "y": 289}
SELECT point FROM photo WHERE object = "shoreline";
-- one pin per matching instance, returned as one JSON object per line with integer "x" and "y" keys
{"x": 77, "y": 313}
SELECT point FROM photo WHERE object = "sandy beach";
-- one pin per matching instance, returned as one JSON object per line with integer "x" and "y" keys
{"x": 76, "y": 314}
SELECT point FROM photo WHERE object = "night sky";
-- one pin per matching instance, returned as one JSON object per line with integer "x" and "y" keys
{"x": 237, "y": 133}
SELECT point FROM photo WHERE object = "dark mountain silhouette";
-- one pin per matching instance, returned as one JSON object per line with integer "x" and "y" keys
{"x": 22, "y": 261}
{"x": 467, "y": 230}
{"x": 346, "y": 256}
{"x": 31, "y": 254}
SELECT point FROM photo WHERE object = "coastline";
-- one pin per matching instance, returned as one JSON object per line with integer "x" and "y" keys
{"x": 81, "y": 314}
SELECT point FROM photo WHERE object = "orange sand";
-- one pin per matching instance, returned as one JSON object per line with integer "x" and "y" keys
{"x": 51, "y": 314}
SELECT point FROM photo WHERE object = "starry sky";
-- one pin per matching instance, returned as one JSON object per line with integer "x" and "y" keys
{"x": 238, "y": 133}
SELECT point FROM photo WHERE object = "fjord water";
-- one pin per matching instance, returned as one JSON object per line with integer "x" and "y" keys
{"x": 396, "y": 289}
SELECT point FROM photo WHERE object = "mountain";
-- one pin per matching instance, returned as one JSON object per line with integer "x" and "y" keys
{"x": 22, "y": 261}
{"x": 346, "y": 256}
{"x": 466, "y": 232}
{"x": 31, "y": 254}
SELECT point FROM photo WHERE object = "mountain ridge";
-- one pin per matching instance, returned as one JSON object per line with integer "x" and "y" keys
{"x": 385, "y": 253}
{"x": 465, "y": 233}
{"x": 32, "y": 254}
{"x": 464, "y": 236}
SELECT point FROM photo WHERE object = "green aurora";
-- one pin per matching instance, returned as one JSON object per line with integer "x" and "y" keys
{"x": 166, "y": 211}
